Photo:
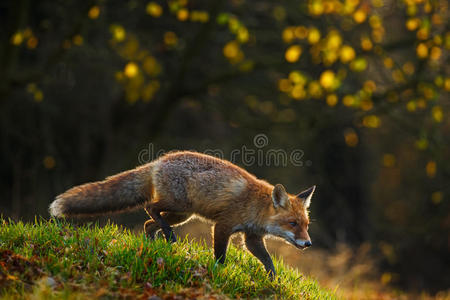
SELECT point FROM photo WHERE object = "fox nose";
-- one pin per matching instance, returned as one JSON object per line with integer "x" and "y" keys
{"x": 308, "y": 244}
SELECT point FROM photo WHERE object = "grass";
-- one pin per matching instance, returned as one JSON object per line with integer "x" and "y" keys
{"x": 57, "y": 260}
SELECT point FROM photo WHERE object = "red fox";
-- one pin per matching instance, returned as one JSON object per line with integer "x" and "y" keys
{"x": 181, "y": 184}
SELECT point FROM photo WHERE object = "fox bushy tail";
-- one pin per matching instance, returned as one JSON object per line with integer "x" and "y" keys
{"x": 124, "y": 191}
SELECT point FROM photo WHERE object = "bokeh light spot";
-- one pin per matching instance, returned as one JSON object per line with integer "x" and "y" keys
{"x": 351, "y": 138}
{"x": 327, "y": 79}
{"x": 154, "y": 9}
{"x": 49, "y": 162}
{"x": 293, "y": 53}
{"x": 94, "y": 12}
{"x": 131, "y": 70}
{"x": 388, "y": 160}
{"x": 431, "y": 169}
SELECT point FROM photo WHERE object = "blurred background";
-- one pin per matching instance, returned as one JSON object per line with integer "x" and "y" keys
{"x": 358, "y": 88}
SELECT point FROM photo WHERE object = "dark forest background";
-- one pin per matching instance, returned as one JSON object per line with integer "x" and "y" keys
{"x": 92, "y": 88}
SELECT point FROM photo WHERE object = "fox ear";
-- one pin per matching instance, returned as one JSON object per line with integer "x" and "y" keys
{"x": 279, "y": 196}
{"x": 306, "y": 196}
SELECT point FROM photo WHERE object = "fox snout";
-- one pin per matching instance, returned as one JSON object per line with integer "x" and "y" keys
{"x": 302, "y": 244}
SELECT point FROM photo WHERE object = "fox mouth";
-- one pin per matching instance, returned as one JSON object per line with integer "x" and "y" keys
{"x": 297, "y": 245}
{"x": 300, "y": 247}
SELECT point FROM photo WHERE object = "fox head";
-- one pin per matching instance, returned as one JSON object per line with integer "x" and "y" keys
{"x": 290, "y": 219}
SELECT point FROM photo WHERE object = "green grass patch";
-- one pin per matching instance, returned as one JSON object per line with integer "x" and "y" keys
{"x": 57, "y": 260}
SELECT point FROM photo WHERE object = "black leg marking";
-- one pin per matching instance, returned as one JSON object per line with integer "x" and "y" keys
{"x": 167, "y": 230}
{"x": 221, "y": 236}
{"x": 151, "y": 227}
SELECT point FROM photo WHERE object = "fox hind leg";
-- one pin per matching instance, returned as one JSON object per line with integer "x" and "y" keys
{"x": 151, "y": 227}
{"x": 167, "y": 230}
{"x": 154, "y": 210}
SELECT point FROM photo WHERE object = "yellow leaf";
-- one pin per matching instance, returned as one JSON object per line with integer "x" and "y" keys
{"x": 31, "y": 87}
{"x": 38, "y": 95}
{"x": 242, "y": 34}
{"x": 423, "y": 33}
{"x": 437, "y": 197}
{"x": 32, "y": 42}
{"x": 386, "y": 278}
{"x": 422, "y": 144}
{"x": 398, "y": 75}
{"x": 332, "y": 100}
{"x": 327, "y": 79}
{"x": 411, "y": 105}
{"x": 203, "y": 17}
{"x": 422, "y": 50}
{"x": 431, "y": 169}
{"x": 154, "y": 9}
{"x": 375, "y": 21}
{"x": 366, "y": 44}
{"x": 77, "y": 40}
{"x": 183, "y": 14}
{"x": 371, "y": 121}
{"x": 334, "y": 40}
{"x": 351, "y": 138}
{"x": 437, "y": 113}
{"x": 315, "y": 7}
{"x": 11, "y": 277}
{"x": 49, "y": 162}
{"x": 313, "y": 35}
{"x": 388, "y": 62}
{"x": 297, "y": 77}
{"x": 301, "y": 32}
{"x": 435, "y": 53}
{"x": 421, "y": 104}
{"x": 359, "y": 64}
{"x": 412, "y": 24}
{"x": 118, "y": 32}
{"x": 170, "y": 38}
{"x": 447, "y": 84}
{"x": 369, "y": 86}
{"x": 284, "y": 85}
{"x": 347, "y": 54}
{"x": 293, "y": 53}
{"x": 131, "y": 70}
{"x": 359, "y": 16}
{"x": 288, "y": 34}
{"x": 388, "y": 160}
{"x": 151, "y": 66}
{"x": 366, "y": 104}
{"x": 17, "y": 38}
{"x": 314, "y": 89}
{"x": 408, "y": 68}
{"x": 279, "y": 13}
{"x": 231, "y": 49}
{"x": 298, "y": 92}
{"x": 94, "y": 12}
{"x": 348, "y": 100}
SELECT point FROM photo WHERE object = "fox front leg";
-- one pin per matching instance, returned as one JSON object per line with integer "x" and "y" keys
{"x": 222, "y": 235}
{"x": 255, "y": 244}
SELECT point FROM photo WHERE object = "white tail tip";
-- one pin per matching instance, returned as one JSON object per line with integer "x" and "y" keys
{"x": 56, "y": 208}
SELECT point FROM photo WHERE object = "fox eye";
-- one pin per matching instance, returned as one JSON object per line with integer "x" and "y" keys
{"x": 293, "y": 223}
